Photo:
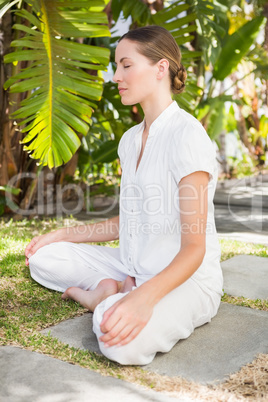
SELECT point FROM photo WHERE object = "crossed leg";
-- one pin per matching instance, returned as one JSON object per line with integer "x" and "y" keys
{"x": 91, "y": 298}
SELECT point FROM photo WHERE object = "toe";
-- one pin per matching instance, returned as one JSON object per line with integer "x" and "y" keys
{"x": 67, "y": 294}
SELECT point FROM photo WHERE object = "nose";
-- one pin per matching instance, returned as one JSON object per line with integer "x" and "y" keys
{"x": 116, "y": 77}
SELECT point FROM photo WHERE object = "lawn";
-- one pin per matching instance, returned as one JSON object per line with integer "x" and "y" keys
{"x": 26, "y": 308}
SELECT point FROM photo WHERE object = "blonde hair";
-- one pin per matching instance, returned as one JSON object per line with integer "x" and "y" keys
{"x": 156, "y": 43}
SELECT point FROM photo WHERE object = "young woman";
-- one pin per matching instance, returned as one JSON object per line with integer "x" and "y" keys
{"x": 165, "y": 278}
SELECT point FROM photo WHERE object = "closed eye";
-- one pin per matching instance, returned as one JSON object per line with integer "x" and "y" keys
{"x": 126, "y": 66}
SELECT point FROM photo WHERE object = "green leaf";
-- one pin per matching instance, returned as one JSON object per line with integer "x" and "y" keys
{"x": 4, "y": 2}
{"x": 169, "y": 13}
{"x": 117, "y": 8}
{"x": 30, "y": 17}
{"x": 26, "y": 85}
{"x": 235, "y": 47}
{"x": 174, "y": 25}
{"x": 30, "y": 109}
{"x": 38, "y": 126}
{"x": 216, "y": 121}
{"x": 24, "y": 55}
{"x": 182, "y": 31}
{"x": 81, "y": 16}
{"x": 137, "y": 9}
{"x": 10, "y": 190}
{"x": 59, "y": 104}
{"x": 184, "y": 39}
{"x": 80, "y": 88}
{"x": 40, "y": 118}
{"x": 106, "y": 153}
{"x": 263, "y": 129}
{"x": 71, "y": 103}
{"x": 30, "y": 31}
{"x": 6, "y": 6}
{"x": 76, "y": 123}
{"x": 173, "y": 18}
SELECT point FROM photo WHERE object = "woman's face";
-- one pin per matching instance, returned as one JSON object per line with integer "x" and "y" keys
{"x": 135, "y": 75}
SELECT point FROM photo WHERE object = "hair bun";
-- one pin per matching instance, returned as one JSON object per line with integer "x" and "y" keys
{"x": 178, "y": 82}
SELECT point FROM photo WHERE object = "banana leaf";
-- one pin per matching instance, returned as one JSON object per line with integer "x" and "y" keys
{"x": 60, "y": 91}
{"x": 235, "y": 47}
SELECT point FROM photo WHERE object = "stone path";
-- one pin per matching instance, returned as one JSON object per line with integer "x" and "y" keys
{"x": 246, "y": 275}
{"x": 27, "y": 376}
{"x": 214, "y": 351}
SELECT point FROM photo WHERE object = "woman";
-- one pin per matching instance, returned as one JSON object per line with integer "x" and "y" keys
{"x": 165, "y": 279}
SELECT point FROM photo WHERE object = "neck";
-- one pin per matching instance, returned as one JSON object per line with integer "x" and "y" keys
{"x": 153, "y": 109}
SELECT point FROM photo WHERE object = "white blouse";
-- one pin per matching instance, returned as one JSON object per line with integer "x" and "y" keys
{"x": 150, "y": 227}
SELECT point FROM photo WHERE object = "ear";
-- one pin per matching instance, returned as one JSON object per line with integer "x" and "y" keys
{"x": 163, "y": 66}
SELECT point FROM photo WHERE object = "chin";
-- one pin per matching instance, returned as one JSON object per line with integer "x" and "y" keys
{"x": 130, "y": 101}
{"x": 127, "y": 102}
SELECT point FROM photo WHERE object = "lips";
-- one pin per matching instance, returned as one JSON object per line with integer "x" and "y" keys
{"x": 122, "y": 90}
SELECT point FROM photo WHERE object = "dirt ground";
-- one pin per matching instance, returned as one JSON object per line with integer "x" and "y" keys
{"x": 249, "y": 384}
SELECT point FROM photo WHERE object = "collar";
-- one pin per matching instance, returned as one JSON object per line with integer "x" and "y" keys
{"x": 164, "y": 116}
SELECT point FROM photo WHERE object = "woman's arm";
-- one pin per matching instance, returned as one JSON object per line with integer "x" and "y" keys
{"x": 126, "y": 318}
{"x": 193, "y": 192}
{"x": 97, "y": 232}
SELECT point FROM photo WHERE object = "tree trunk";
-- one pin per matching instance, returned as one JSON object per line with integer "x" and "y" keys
{"x": 13, "y": 160}
{"x": 8, "y": 166}
{"x": 15, "y": 163}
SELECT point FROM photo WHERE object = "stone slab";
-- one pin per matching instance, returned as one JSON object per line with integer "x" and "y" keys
{"x": 76, "y": 332}
{"x": 213, "y": 352}
{"x": 27, "y": 376}
{"x": 246, "y": 275}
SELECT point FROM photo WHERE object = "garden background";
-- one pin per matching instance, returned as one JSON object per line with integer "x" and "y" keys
{"x": 61, "y": 121}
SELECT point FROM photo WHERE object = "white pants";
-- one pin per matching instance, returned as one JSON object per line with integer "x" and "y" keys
{"x": 61, "y": 265}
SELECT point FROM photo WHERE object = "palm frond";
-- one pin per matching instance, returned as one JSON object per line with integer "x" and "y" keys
{"x": 176, "y": 20}
{"x": 59, "y": 105}
{"x": 5, "y": 5}
{"x": 137, "y": 9}
{"x": 236, "y": 46}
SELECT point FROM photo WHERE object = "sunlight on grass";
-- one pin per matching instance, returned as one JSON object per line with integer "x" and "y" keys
{"x": 230, "y": 248}
{"x": 26, "y": 306}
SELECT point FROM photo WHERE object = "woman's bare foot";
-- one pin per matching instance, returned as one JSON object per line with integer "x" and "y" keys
{"x": 91, "y": 298}
{"x": 127, "y": 284}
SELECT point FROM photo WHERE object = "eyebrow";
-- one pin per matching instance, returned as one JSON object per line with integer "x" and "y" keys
{"x": 122, "y": 59}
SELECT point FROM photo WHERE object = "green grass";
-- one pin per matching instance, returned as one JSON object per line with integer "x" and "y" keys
{"x": 230, "y": 248}
{"x": 26, "y": 307}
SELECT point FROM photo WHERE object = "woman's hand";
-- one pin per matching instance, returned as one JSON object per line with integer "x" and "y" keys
{"x": 38, "y": 242}
{"x": 126, "y": 318}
